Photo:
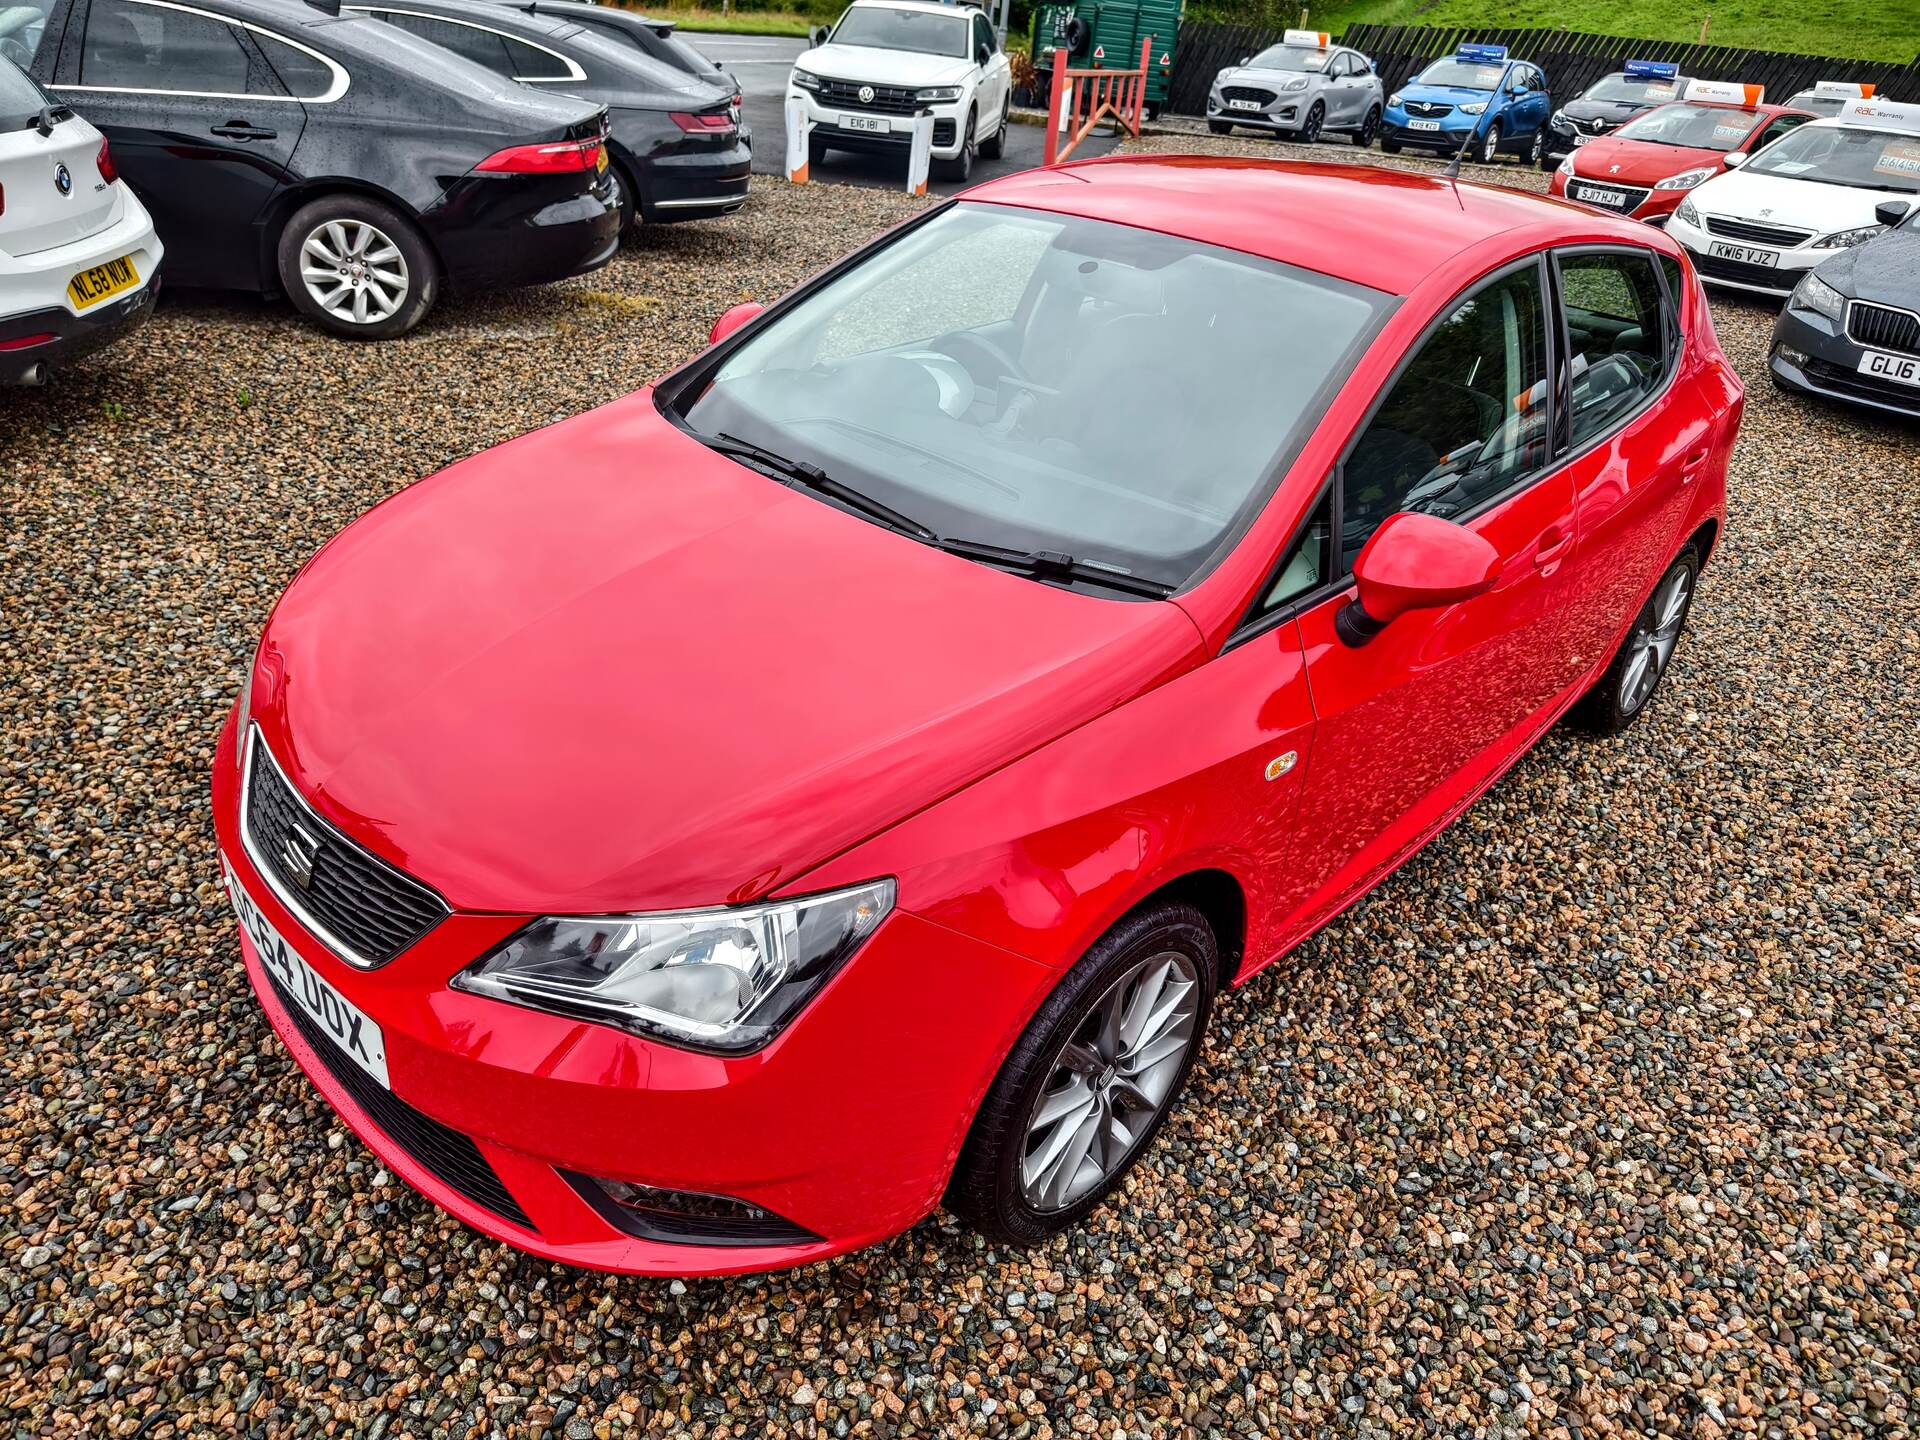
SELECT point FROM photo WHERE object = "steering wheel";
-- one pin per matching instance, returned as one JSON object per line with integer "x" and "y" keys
{"x": 984, "y": 359}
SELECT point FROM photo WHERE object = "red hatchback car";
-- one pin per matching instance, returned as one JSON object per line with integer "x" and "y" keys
{"x": 1648, "y": 166}
{"x": 701, "y": 835}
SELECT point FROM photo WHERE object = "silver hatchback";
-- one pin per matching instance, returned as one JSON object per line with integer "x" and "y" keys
{"x": 1300, "y": 87}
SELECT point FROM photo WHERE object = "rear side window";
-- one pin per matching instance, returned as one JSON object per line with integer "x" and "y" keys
{"x": 530, "y": 62}
{"x": 1615, "y": 351}
{"x": 1465, "y": 421}
{"x": 305, "y": 76}
{"x": 483, "y": 47}
{"x": 130, "y": 46}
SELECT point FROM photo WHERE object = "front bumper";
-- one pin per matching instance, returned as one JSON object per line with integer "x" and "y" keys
{"x": 897, "y": 139}
{"x": 1641, "y": 202}
{"x": 73, "y": 336}
{"x": 495, "y": 232}
{"x": 1776, "y": 280}
{"x": 1810, "y": 354}
{"x": 1286, "y": 112}
{"x": 846, "y": 1125}
{"x": 1395, "y": 126}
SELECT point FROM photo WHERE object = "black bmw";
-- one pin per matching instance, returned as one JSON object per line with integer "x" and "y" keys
{"x": 1851, "y": 328}
{"x": 281, "y": 147}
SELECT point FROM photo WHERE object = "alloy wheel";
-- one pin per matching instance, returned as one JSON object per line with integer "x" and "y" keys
{"x": 1110, "y": 1081}
{"x": 1369, "y": 128}
{"x": 1310, "y": 132}
{"x": 354, "y": 271}
{"x": 1539, "y": 147}
{"x": 1651, "y": 645}
{"x": 1490, "y": 144}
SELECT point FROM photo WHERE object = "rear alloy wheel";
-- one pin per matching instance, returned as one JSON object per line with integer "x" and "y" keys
{"x": 1310, "y": 130}
{"x": 1369, "y": 128}
{"x": 1622, "y": 694}
{"x": 1490, "y": 145}
{"x": 960, "y": 167}
{"x": 1086, "y": 1087}
{"x": 358, "y": 267}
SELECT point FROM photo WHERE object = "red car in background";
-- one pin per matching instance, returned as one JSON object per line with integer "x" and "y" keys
{"x": 704, "y": 834}
{"x": 1646, "y": 167}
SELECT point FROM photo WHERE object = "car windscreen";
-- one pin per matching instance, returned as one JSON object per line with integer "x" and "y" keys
{"x": 1049, "y": 382}
{"x": 1289, "y": 57}
{"x": 20, "y": 98}
{"x": 1463, "y": 74}
{"x": 883, "y": 28}
{"x": 1844, "y": 155}
{"x": 1632, "y": 90}
{"x": 1698, "y": 127}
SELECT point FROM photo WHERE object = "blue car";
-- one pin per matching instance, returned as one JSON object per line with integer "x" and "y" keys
{"x": 1476, "y": 90}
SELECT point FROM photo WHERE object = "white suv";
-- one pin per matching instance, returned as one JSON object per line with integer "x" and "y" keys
{"x": 79, "y": 262}
{"x": 888, "y": 60}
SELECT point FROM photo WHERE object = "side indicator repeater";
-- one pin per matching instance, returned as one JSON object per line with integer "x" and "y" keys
{"x": 1281, "y": 764}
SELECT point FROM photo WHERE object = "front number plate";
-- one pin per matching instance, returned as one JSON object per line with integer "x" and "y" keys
{"x": 1243, "y": 104}
{"x": 1901, "y": 369}
{"x": 1423, "y": 124}
{"x": 103, "y": 282}
{"x": 866, "y": 122}
{"x": 1744, "y": 253}
{"x": 1601, "y": 195}
{"x": 352, "y": 1030}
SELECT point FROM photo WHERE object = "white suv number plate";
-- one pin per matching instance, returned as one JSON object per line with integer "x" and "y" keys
{"x": 1901, "y": 369}
{"x": 871, "y": 123}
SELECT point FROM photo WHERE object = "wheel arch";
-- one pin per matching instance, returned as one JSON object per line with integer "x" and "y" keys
{"x": 1217, "y": 895}
{"x": 286, "y": 202}
{"x": 1705, "y": 537}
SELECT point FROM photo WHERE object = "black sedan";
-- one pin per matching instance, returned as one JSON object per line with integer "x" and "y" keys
{"x": 1851, "y": 328}
{"x": 679, "y": 151}
{"x": 281, "y": 147}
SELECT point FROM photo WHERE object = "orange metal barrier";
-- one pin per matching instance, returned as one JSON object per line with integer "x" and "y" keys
{"x": 1083, "y": 98}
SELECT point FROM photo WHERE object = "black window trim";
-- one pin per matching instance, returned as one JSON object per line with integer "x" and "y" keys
{"x": 1255, "y": 622}
{"x": 338, "y": 86}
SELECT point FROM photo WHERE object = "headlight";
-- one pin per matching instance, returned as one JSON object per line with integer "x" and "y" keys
{"x": 937, "y": 94}
{"x": 1847, "y": 239}
{"x": 1686, "y": 179}
{"x": 1559, "y": 120}
{"x": 1478, "y": 107}
{"x": 1817, "y": 295}
{"x": 806, "y": 79}
{"x": 1685, "y": 212}
{"x": 722, "y": 980}
{"x": 1394, "y": 98}
{"x": 1299, "y": 82}
{"x": 1566, "y": 166}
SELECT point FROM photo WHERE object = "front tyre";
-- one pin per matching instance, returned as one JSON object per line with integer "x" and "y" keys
{"x": 1620, "y": 696}
{"x": 1537, "y": 154}
{"x": 357, "y": 267}
{"x": 1091, "y": 1080}
{"x": 960, "y": 167}
{"x": 1219, "y": 127}
{"x": 1489, "y": 145}
{"x": 1309, "y": 131}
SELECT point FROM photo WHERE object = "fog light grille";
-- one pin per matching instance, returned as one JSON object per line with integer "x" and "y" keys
{"x": 685, "y": 1217}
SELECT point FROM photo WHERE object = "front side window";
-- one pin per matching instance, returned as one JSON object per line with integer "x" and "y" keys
{"x": 1466, "y": 420}
{"x": 983, "y": 35}
{"x": 1785, "y": 125}
{"x": 1616, "y": 355}
{"x": 881, "y": 27}
{"x": 1694, "y": 127}
{"x": 130, "y": 46}
{"x": 1046, "y": 382}
{"x": 1845, "y": 155}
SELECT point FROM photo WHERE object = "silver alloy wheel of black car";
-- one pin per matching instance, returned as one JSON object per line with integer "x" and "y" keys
{"x": 1110, "y": 1081}
{"x": 1652, "y": 642}
{"x": 354, "y": 271}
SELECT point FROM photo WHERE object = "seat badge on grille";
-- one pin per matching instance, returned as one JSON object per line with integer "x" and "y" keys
{"x": 298, "y": 850}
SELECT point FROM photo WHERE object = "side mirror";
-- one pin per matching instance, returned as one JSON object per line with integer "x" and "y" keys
{"x": 1245, "y": 60}
{"x": 982, "y": 55}
{"x": 818, "y": 35}
{"x": 733, "y": 320}
{"x": 1891, "y": 212}
{"x": 1414, "y": 562}
{"x": 1736, "y": 159}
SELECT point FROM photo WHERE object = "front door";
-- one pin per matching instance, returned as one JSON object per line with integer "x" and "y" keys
{"x": 202, "y": 126}
{"x": 1408, "y": 724}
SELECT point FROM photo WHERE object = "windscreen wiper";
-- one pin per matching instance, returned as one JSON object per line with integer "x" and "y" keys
{"x": 1051, "y": 564}
{"x": 802, "y": 472}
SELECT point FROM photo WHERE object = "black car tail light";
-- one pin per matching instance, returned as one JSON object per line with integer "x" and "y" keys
{"x": 684, "y": 1217}
{"x": 708, "y": 123}
{"x": 560, "y": 157}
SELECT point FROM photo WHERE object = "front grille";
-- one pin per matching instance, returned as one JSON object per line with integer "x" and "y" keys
{"x": 443, "y": 1152}
{"x": 357, "y": 905}
{"x": 1601, "y": 195}
{"x": 1755, "y": 232}
{"x": 1247, "y": 92}
{"x": 1428, "y": 109}
{"x": 1843, "y": 381}
{"x": 887, "y": 99}
{"x": 1590, "y": 127}
{"x": 1883, "y": 327}
{"x": 1740, "y": 272}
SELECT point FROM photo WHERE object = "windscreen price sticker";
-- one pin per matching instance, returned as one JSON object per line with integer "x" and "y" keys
{"x": 1901, "y": 157}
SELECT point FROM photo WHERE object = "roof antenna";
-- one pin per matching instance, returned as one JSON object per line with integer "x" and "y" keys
{"x": 1452, "y": 171}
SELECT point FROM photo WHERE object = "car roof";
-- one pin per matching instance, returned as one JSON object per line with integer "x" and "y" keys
{"x": 1413, "y": 221}
{"x": 936, "y": 7}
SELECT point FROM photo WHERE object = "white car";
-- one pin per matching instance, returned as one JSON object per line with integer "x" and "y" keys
{"x": 1805, "y": 198}
{"x": 79, "y": 262}
{"x": 889, "y": 60}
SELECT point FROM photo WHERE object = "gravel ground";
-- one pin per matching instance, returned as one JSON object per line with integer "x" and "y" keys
{"x": 1599, "y": 1119}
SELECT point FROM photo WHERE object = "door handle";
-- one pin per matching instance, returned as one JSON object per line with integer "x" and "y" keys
{"x": 1690, "y": 466}
{"x": 241, "y": 130}
{"x": 1553, "y": 545}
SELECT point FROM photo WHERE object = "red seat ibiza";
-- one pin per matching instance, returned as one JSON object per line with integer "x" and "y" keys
{"x": 704, "y": 834}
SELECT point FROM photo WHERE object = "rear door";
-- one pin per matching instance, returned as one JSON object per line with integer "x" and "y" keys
{"x": 1409, "y": 724}
{"x": 203, "y": 126}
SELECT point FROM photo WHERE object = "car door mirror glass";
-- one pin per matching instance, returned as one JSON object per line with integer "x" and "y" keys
{"x": 819, "y": 35}
{"x": 733, "y": 319}
{"x": 1415, "y": 562}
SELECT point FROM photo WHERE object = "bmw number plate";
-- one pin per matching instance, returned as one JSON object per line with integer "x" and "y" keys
{"x": 1901, "y": 369}
{"x": 866, "y": 122}
{"x": 1423, "y": 124}
{"x": 1746, "y": 254}
{"x": 1243, "y": 104}
{"x": 353, "y": 1032}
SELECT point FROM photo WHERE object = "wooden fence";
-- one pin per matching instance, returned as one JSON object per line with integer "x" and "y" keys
{"x": 1573, "y": 61}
